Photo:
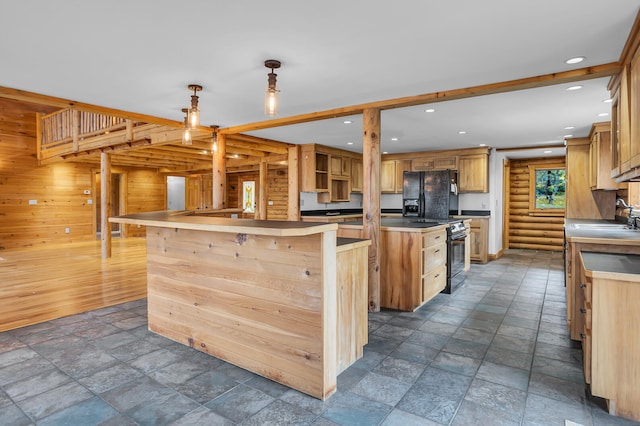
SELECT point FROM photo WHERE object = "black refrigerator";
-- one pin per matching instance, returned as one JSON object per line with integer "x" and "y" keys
{"x": 431, "y": 194}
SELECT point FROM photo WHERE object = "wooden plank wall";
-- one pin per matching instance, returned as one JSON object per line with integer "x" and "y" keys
{"x": 525, "y": 231}
{"x": 277, "y": 190}
{"x": 57, "y": 188}
{"x": 254, "y": 300}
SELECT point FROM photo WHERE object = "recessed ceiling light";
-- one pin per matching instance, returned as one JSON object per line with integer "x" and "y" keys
{"x": 429, "y": 110}
{"x": 603, "y": 114}
{"x": 569, "y": 127}
{"x": 568, "y": 136}
{"x": 347, "y": 121}
{"x": 349, "y": 143}
{"x": 483, "y": 144}
{"x": 462, "y": 132}
{"x": 571, "y": 88}
{"x": 575, "y": 60}
{"x": 607, "y": 101}
{"x": 547, "y": 151}
{"x": 394, "y": 139}
{"x": 384, "y": 152}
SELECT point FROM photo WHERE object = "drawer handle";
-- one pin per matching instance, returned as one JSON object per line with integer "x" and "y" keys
{"x": 437, "y": 275}
{"x": 437, "y": 251}
{"x": 583, "y": 311}
{"x": 583, "y": 285}
{"x": 438, "y": 237}
{"x": 583, "y": 336}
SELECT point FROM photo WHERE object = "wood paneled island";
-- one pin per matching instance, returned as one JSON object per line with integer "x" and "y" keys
{"x": 282, "y": 299}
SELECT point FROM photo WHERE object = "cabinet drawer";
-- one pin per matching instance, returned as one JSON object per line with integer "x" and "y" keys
{"x": 434, "y": 282}
{"x": 586, "y": 289}
{"x": 422, "y": 164}
{"x": 435, "y": 256}
{"x": 433, "y": 238}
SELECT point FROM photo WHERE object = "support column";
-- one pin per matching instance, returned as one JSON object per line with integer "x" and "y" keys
{"x": 262, "y": 199}
{"x": 293, "y": 200}
{"x": 105, "y": 204}
{"x": 371, "y": 199}
{"x": 219, "y": 172}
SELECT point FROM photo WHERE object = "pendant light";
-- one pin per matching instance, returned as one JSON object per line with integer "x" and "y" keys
{"x": 271, "y": 95}
{"x": 186, "y": 135}
{"x": 193, "y": 116}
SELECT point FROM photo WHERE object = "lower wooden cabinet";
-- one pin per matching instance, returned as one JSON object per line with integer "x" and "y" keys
{"x": 610, "y": 338}
{"x": 479, "y": 240}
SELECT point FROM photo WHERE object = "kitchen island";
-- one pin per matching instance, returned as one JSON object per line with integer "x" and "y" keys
{"x": 413, "y": 260}
{"x": 281, "y": 299}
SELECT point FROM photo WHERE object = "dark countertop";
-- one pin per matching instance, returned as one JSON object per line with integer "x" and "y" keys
{"x": 344, "y": 212}
{"x": 599, "y": 232}
{"x": 608, "y": 265}
{"x": 399, "y": 222}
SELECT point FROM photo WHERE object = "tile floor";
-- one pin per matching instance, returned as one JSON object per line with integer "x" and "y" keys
{"x": 496, "y": 352}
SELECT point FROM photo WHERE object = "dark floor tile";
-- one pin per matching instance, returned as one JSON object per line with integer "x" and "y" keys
{"x": 240, "y": 403}
{"x": 238, "y": 374}
{"x": 559, "y": 389}
{"x": 555, "y": 339}
{"x": 154, "y": 360}
{"x": 438, "y": 328}
{"x": 493, "y": 309}
{"x": 162, "y": 410}
{"x": 385, "y": 389}
{"x": 137, "y": 392}
{"x": 370, "y": 359}
{"x": 78, "y": 362}
{"x": 508, "y": 402}
{"x": 481, "y": 325}
{"x": 205, "y": 387}
{"x": 487, "y": 316}
{"x": 466, "y": 348}
{"x": 447, "y": 318}
{"x": 542, "y": 411}
{"x": 92, "y": 411}
{"x": 415, "y": 353}
{"x": 280, "y": 413}
{"x": 549, "y": 327}
{"x": 393, "y": 332}
{"x": 436, "y": 395}
{"x": 456, "y": 363}
{"x": 406, "y": 322}
{"x": 100, "y": 330}
{"x": 8, "y": 342}
{"x": 12, "y": 415}
{"x": 602, "y": 418}
{"x": 520, "y": 332}
{"x": 36, "y": 385}
{"x": 509, "y": 358}
{"x": 560, "y": 369}
{"x": 114, "y": 340}
{"x": 25, "y": 369}
{"x": 504, "y": 375}
{"x": 351, "y": 409}
{"x": 135, "y": 349}
{"x": 402, "y": 418}
{"x": 305, "y": 401}
{"x": 472, "y": 335}
{"x": 471, "y": 413}
{"x": 54, "y": 400}
{"x": 532, "y": 315}
{"x": 267, "y": 386}
{"x": 110, "y": 378}
{"x": 421, "y": 338}
{"x": 520, "y": 322}
{"x": 513, "y": 343}
{"x": 403, "y": 370}
{"x": 382, "y": 345}
{"x": 179, "y": 372}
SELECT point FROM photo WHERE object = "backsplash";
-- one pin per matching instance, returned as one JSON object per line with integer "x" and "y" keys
{"x": 309, "y": 201}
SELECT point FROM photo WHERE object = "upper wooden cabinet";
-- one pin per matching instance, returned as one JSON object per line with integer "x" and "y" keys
{"x": 314, "y": 170}
{"x": 391, "y": 175}
{"x": 449, "y": 162}
{"x": 473, "y": 173}
{"x": 600, "y": 158}
{"x": 356, "y": 175}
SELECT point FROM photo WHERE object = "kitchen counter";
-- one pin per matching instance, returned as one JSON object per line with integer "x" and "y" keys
{"x": 399, "y": 224}
{"x": 612, "y": 266}
{"x": 285, "y": 300}
{"x": 599, "y": 232}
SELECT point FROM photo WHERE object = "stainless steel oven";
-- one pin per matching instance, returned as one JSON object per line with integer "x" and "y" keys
{"x": 456, "y": 237}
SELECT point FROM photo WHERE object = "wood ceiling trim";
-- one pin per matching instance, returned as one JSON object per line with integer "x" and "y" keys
{"x": 587, "y": 73}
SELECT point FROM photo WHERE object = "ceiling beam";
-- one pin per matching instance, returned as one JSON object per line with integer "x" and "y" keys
{"x": 587, "y": 73}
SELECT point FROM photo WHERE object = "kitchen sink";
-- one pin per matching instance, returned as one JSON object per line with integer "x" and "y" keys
{"x": 602, "y": 226}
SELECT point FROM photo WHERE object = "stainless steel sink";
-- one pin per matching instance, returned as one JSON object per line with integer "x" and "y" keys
{"x": 602, "y": 226}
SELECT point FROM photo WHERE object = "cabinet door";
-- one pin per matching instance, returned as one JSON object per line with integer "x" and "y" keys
{"x": 346, "y": 167}
{"x": 356, "y": 175}
{"x": 634, "y": 140}
{"x": 336, "y": 165}
{"x": 446, "y": 163}
{"x": 401, "y": 167}
{"x": 473, "y": 173}
{"x": 423, "y": 164}
{"x": 388, "y": 176}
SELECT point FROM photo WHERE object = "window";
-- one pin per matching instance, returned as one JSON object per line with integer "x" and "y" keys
{"x": 547, "y": 190}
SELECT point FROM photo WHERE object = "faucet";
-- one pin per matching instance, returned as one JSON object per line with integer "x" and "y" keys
{"x": 632, "y": 222}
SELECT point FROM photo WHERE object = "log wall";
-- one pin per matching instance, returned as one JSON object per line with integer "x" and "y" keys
{"x": 277, "y": 190}
{"x": 526, "y": 231}
{"x": 58, "y": 188}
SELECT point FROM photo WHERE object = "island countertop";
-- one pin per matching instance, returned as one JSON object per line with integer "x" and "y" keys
{"x": 186, "y": 219}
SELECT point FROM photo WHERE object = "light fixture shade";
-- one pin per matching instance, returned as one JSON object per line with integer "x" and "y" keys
{"x": 186, "y": 137}
{"x": 271, "y": 102}
{"x": 193, "y": 117}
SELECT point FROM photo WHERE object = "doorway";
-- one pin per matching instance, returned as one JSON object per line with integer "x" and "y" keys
{"x": 118, "y": 203}
{"x": 176, "y": 190}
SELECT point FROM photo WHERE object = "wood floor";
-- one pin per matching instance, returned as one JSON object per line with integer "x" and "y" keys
{"x": 44, "y": 283}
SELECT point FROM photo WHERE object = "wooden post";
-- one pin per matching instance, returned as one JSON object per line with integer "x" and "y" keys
{"x": 371, "y": 199}
{"x": 75, "y": 129}
{"x": 39, "y": 119}
{"x": 293, "y": 200}
{"x": 128, "y": 130}
{"x": 219, "y": 172}
{"x": 105, "y": 204}
{"x": 262, "y": 200}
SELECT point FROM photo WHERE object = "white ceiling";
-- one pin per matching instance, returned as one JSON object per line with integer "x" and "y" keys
{"x": 140, "y": 56}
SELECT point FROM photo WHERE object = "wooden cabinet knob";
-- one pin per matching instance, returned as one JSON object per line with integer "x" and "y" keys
{"x": 583, "y": 311}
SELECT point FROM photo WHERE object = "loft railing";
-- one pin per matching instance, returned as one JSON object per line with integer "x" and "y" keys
{"x": 62, "y": 132}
